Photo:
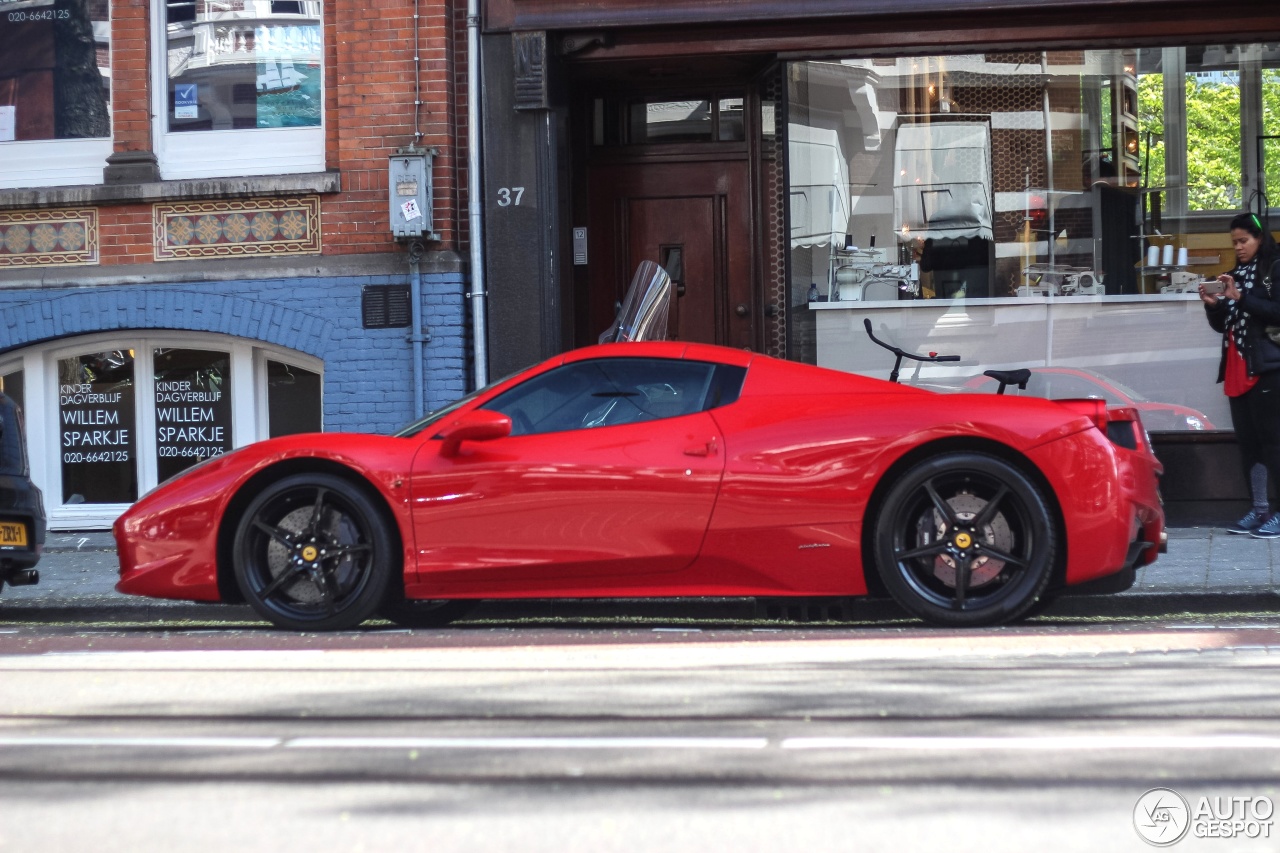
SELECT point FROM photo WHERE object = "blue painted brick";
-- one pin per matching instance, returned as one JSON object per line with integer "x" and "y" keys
{"x": 367, "y": 372}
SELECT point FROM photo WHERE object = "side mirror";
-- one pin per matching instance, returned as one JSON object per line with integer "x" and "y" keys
{"x": 477, "y": 425}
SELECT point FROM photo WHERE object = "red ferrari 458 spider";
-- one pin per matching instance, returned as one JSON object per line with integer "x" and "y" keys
{"x": 665, "y": 469}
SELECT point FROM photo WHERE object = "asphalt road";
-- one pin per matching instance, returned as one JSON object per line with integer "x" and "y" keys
{"x": 599, "y": 738}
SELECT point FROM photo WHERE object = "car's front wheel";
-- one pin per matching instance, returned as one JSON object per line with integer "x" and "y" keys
{"x": 314, "y": 552}
{"x": 965, "y": 539}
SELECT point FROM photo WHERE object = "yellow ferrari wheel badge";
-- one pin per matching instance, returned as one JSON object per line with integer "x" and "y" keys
{"x": 310, "y": 553}
{"x": 962, "y": 540}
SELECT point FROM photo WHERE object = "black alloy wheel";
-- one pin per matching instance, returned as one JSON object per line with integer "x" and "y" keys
{"x": 314, "y": 552}
{"x": 965, "y": 539}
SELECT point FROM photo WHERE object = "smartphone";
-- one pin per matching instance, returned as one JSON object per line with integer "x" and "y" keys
{"x": 1212, "y": 286}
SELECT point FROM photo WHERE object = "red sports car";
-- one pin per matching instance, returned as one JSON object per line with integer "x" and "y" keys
{"x": 665, "y": 469}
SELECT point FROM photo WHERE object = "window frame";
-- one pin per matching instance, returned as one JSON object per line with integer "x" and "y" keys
{"x": 220, "y": 153}
{"x": 29, "y": 163}
{"x": 249, "y": 412}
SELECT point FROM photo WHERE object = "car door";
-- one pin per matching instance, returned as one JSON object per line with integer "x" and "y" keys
{"x": 609, "y": 477}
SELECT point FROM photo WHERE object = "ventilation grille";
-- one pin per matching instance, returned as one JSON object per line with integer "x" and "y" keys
{"x": 385, "y": 306}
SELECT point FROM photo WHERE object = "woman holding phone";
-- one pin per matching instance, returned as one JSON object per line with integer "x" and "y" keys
{"x": 1249, "y": 367}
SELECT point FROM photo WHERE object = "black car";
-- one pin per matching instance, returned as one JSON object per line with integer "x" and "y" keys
{"x": 22, "y": 520}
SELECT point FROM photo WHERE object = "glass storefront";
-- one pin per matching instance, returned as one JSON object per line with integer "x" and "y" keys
{"x": 110, "y": 416}
{"x": 1044, "y": 209}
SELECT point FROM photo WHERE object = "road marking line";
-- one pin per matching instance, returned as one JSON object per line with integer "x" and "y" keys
{"x": 525, "y": 743}
{"x": 157, "y": 742}
{"x": 392, "y": 742}
{"x": 908, "y": 743}
{"x": 1045, "y": 743}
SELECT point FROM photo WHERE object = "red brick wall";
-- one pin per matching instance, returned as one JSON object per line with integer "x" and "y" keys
{"x": 124, "y": 235}
{"x": 369, "y": 113}
{"x": 130, "y": 83}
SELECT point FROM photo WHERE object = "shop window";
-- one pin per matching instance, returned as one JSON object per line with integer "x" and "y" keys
{"x": 97, "y": 430}
{"x": 193, "y": 407}
{"x": 55, "y": 113}
{"x": 293, "y": 399}
{"x": 1042, "y": 209}
{"x": 11, "y": 385}
{"x": 105, "y": 424}
{"x": 230, "y": 66}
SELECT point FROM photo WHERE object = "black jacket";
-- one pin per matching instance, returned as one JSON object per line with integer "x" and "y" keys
{"x": 1260, "y": 354}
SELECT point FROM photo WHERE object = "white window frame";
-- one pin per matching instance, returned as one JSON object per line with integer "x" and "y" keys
{"x": 58, "y": 162}
{"x": 226, "y": 153}
{"x": 249, "y": 412}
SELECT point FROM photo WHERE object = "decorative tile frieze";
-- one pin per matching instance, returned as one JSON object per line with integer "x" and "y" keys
{"x": 48, "y": 237}
{"x": 219, "y": 229}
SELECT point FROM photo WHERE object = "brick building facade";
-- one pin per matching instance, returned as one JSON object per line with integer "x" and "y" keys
{"x": 227, "y": 229}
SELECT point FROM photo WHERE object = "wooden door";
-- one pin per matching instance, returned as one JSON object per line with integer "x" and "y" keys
{"x": 694, "y": 218}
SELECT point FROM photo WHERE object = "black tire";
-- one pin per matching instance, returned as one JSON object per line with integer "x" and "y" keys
{"x": 965, "y": 539}
{"x": 424, "y": 613}
{"x": 314, "y": 552}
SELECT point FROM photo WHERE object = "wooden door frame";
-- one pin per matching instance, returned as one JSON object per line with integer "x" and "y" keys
{"x": 585, "y": 155}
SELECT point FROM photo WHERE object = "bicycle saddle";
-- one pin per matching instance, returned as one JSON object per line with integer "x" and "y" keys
{"x": 1017, "y": 377}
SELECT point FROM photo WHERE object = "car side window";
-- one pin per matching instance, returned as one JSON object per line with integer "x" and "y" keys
{"x": 613, "y": 391}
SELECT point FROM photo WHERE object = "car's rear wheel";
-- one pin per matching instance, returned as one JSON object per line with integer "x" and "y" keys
{"x": 424, "y": 613}
{"x": 314, "y": 552}
{"x": 965, "y": 539}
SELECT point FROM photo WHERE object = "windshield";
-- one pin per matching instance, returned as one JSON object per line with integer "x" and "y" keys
{"x": 644, "y": 312}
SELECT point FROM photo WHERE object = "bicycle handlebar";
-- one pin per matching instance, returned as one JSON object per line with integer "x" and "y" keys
{"x": 900, "y": 354}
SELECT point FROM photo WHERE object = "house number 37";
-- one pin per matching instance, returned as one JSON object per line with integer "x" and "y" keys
{"x": 508, "y": 196}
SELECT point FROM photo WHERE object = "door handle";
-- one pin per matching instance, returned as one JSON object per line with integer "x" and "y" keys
{"x": 704, "y": 448}
{"x": 742, "y": 310}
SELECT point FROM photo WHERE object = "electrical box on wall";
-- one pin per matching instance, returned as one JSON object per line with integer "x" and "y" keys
{"x": 409, "y": 188}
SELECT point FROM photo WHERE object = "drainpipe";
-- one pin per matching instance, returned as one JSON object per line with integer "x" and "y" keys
{"x": 416, "y": 249}
{"x": 478, "y": 293}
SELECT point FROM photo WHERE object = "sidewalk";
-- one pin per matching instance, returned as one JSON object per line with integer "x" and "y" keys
{"x": 1205, "y": 569}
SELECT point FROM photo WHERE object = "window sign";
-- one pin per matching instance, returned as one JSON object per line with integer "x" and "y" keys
{"x": 53, "y": 69}
{"x": 98, "y": 441}
{"x": 186, "y": 103}
{"x": 193, "y": 408}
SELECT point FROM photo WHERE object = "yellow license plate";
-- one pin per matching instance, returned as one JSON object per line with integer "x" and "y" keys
{"x": 13, "y": 534}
